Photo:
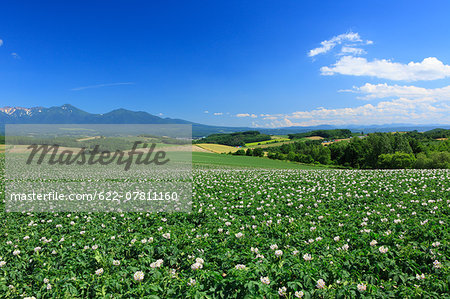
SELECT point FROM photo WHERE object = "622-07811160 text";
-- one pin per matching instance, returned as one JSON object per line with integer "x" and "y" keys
{"x": 97, "y": 195}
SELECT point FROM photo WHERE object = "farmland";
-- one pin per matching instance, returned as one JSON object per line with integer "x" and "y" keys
{"x": 275, "y": 139}
{"x": 214, "y": 160}
{"x": 257, "y": 232}
{"x": 217, "y": 148}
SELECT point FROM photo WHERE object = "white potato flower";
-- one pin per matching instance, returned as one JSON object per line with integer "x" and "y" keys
{"x": 320, "y": 284}
{"x": 307, "y": 257}
{"x": 138, "y": 276}
{"x": 383, "y": 249}
{"x": 196, "y": 266}
{"x": 265, "y": 280}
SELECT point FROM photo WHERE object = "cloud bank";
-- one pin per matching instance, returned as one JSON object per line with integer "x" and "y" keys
{"x": 401, "y": 104}
{"x": 430, "y": 68}
{"x": 391, "y": 103}
{"x": 401, "y": 110}
{"x": 396, "y": 103}
{"x": 379, "y": 91}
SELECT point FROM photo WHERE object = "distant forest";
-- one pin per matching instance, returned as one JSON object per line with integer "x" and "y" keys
{"x": 327, "y": 134}
{"x": 430, "y": 149}
{"x": 235, "y": 139}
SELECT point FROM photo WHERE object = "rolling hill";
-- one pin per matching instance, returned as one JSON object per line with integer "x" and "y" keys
{"x": 68, "y": 114}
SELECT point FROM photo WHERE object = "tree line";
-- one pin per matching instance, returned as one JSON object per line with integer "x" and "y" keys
{"x": 235, "y": 139}
{"x": 376, "y": 150}
{"x": 327, "y": 134}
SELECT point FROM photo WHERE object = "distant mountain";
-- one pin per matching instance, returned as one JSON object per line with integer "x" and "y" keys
{"x": 68, "y": 114}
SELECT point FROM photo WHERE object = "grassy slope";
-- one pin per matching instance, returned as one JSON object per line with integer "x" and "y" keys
{"x": 207, "y": 159}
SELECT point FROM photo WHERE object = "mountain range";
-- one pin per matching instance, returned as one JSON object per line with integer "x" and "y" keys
{"x": 68, "y": 114}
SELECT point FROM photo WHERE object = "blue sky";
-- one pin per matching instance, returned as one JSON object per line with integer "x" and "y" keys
{"x": 253, "y": 63}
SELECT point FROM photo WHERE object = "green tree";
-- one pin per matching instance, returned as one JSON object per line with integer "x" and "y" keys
{"x": 286, "y": 148}
{"x": 258, "y": 152}
{"x": 239, "y": 152}
{"x": 401, "y": 144}
{"x": 422, "y": 161}
{"x": 376, "y": 144}
{"x": 397, "y": 160}
{"x": 291, "y": 156}
{"x": 440, "y": 160}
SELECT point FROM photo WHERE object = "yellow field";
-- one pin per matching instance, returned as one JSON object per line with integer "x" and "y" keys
{"x": 217, "y": 148}
{"x": 266, "y": 145}
{"x": 2, "y": 148}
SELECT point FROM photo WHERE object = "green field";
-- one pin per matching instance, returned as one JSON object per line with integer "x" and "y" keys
{"x": 204, "y": 159}
{"x": 252, "y": 233}
{"x": 258, "y": 228}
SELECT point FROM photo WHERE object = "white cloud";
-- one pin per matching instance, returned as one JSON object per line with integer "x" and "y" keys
{"x": 206, "y": 111}
{"x": 268, "y": 116}
{"x": 345, "y": 38}
{"x": 429, "y": 69}
{"x": 352, "y": 50}
{"x": 1, "y": 42}
{"x": 379, "y": 91}
{"x": 246, "y": 115}
{"x": 15, "y": 55}
{"x": 102, "y": 85}
{"x": 218, "y": 113}
{"x": 418, "y": 110}
{"x": 402, "y": 103}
